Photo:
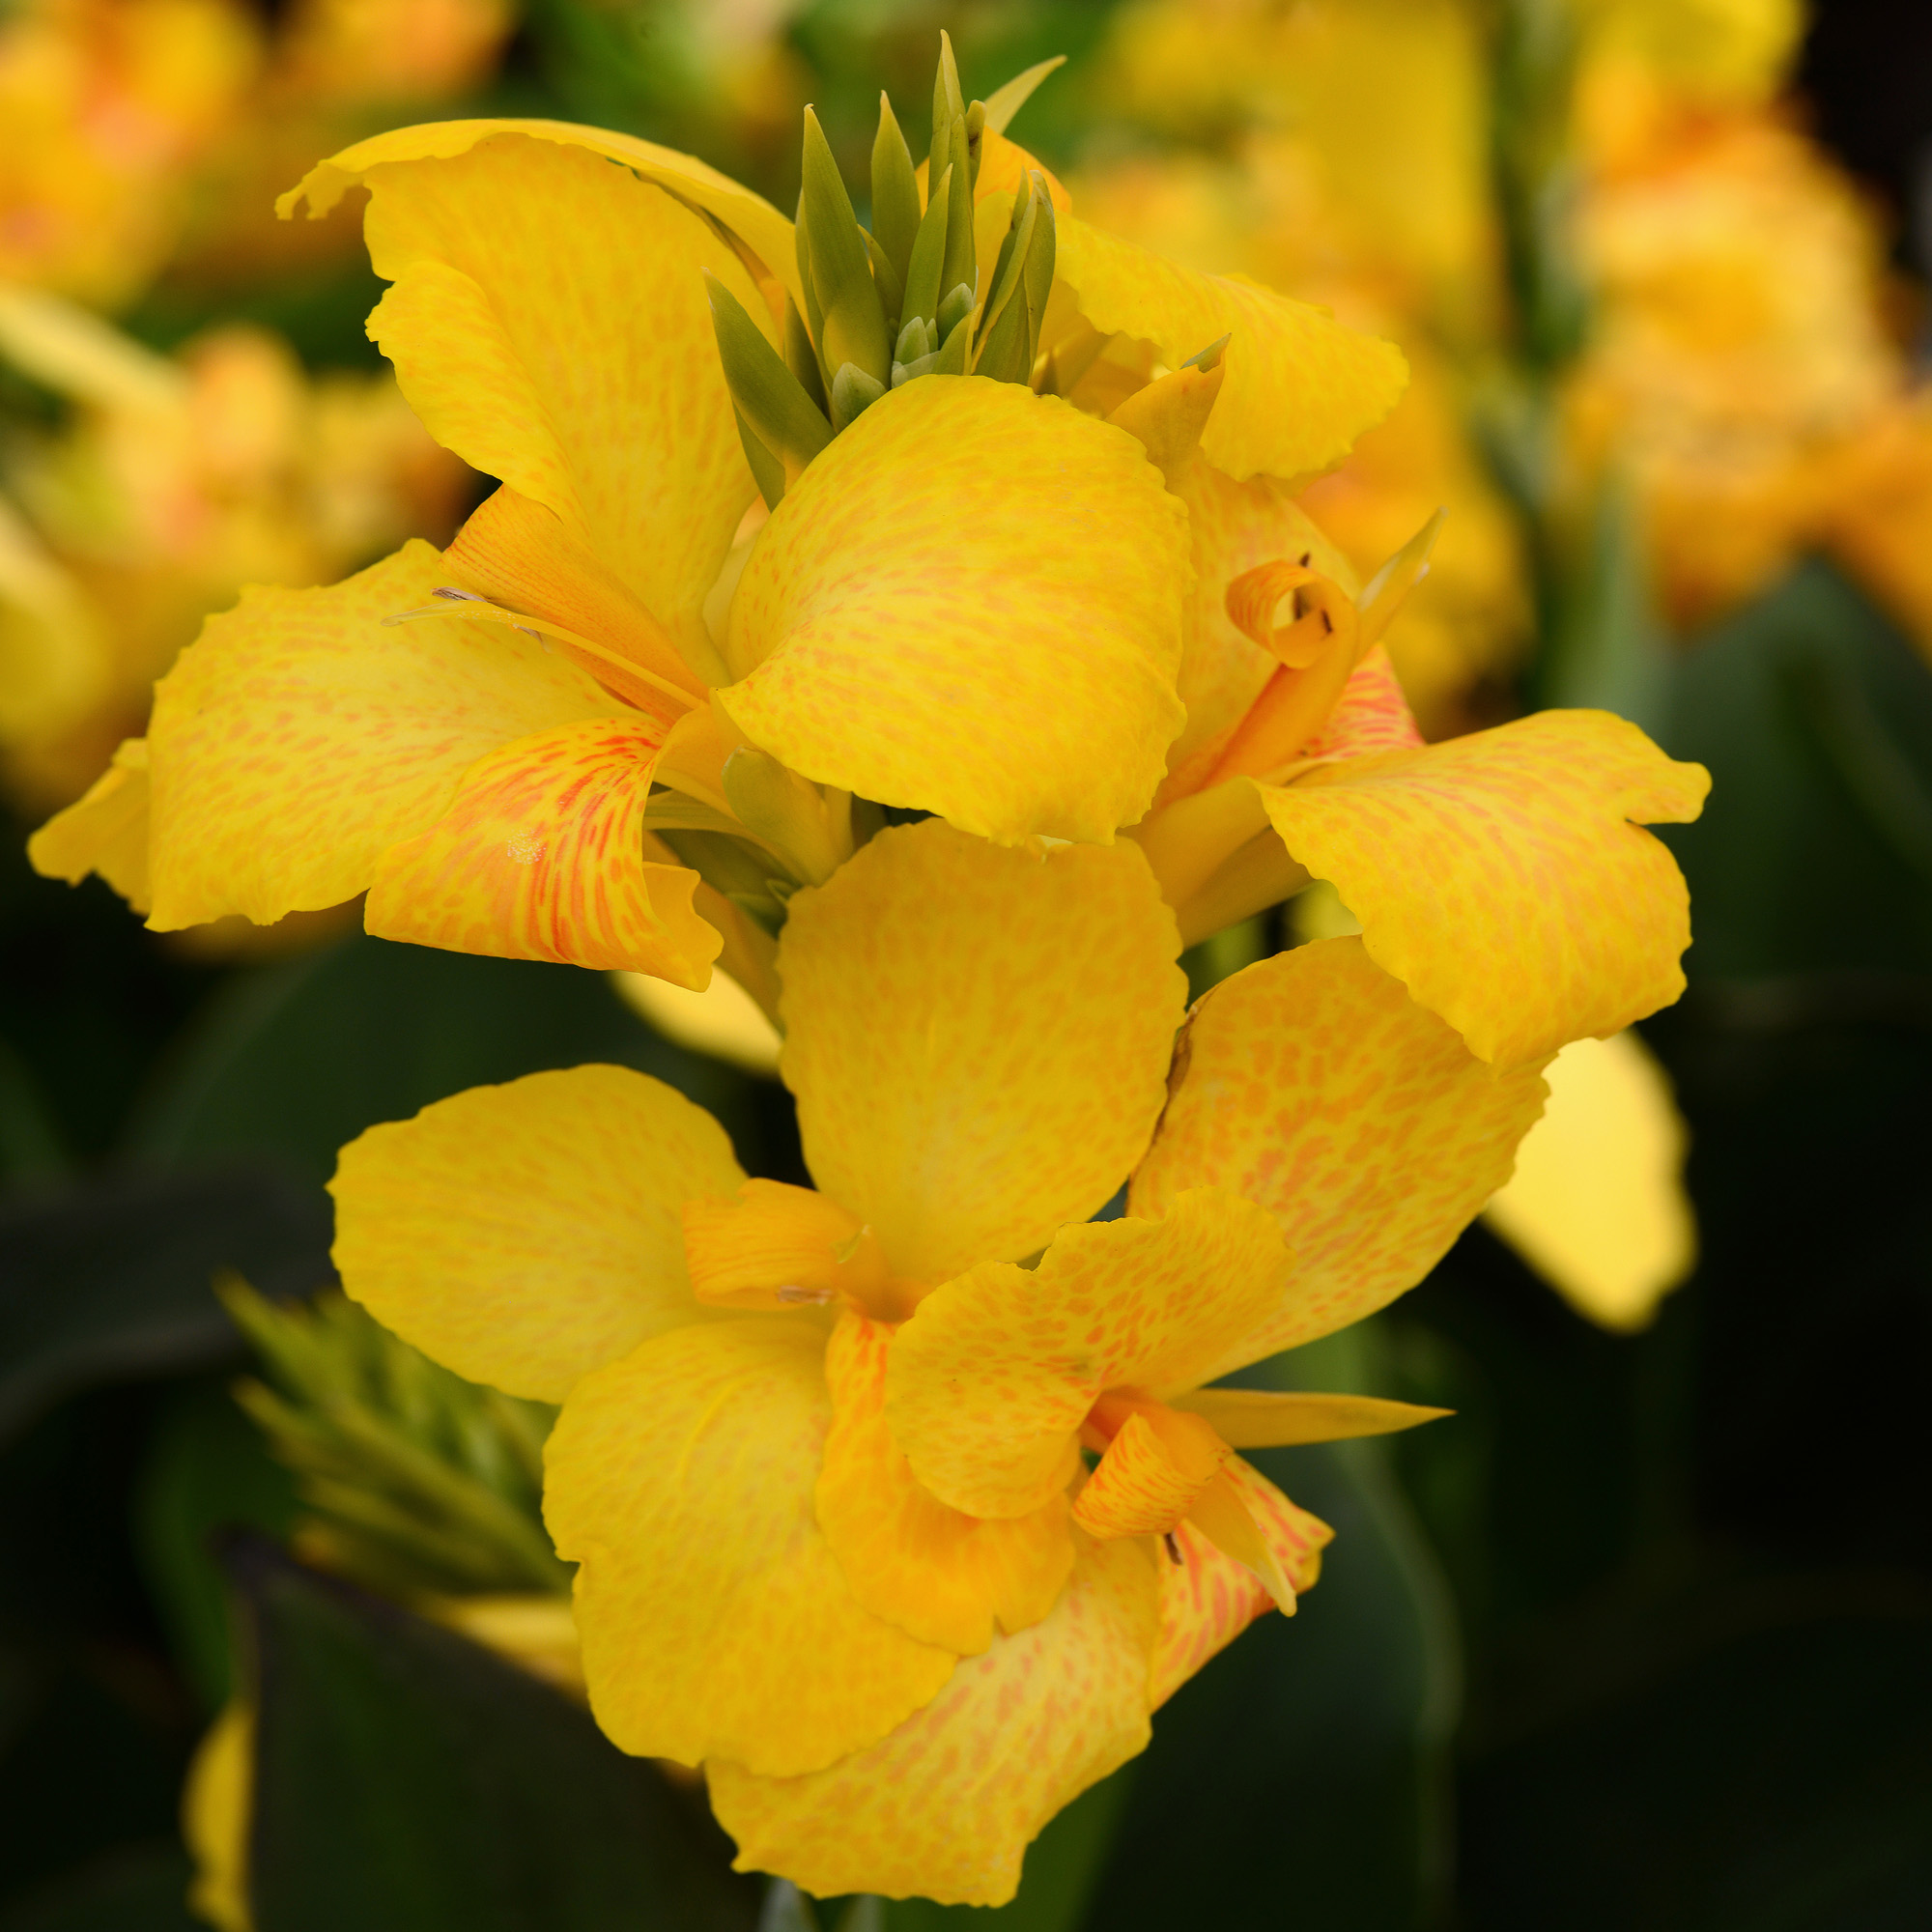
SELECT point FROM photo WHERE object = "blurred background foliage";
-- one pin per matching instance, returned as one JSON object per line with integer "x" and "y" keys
{"x": 1643, "y": 1636}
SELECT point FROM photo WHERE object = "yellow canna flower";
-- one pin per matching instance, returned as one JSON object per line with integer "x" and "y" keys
{"x": 820, "y": 1452}
{"x": 630, "y": 672}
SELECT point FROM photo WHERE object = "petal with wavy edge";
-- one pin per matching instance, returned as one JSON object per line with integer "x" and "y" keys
{"x": 996, "y": 1371}
{"x": 979, "y": 1039}
{"x": 715, "y": 1619}
{"x": 549, "y": 323}
{"x": 1208, "y": 1598}
{"x": 525, "y": 1235}
{"x": 1150, "y": 1475}
{"x": 1314, "y": 1085}
{"x": 942, "y": 1577}
{"x": 540, "y": 856}
{"x": 970, "y": 604}
{"x": 750, "y": 216}
{"x": 1300, "y": 386}
{"x": 1506, "y": 878}
{"x": 1235, "y": 527}
{"x": 1371, "y": 716}
{"x": 104, "y": 831}
{"x": 946, "y": 1807}
{"x": 301, "y": 736}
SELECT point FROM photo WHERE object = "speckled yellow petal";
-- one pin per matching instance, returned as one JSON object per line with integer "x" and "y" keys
{"x": 550, "y": 323}
{"x": 1300, "y": 386}
{"x": 523, "y": 1234}
{"x": 766, "y": 232}
{"x": 942, "y": 1577}
{"x": 1505, "y": 878}
{"x": 979, "y": 1039}
{"x": 1313, "y": 1085}
{"x": 1371, "y": 716}
{"x": 1235, "y": 526}
{"x": 106, "y": 831}
{"x": 1208, "y": 1598}
{"x": 946, "y": 1807}
{"x": 540, "y": 856}
{"x": 995, "y": 1371}
{"x": 1149, "y": 1475}
{"x": 715, "y": 1620}
{"x": 301, "y": 736}
{"x": 970, "y": 604}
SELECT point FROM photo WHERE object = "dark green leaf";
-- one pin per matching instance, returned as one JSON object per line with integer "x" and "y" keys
{"x": 140, "y": 1889}
{"x": 406, "y": 1780}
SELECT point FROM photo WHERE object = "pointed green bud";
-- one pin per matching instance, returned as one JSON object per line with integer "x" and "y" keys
{"x": 952, "y": 358}
{"x": 1008, "y": 101}
{"x": 954, "y": 309}
{"x": 770, "y": 398}
{"x": 853, "y": 393}
{"x": 895, "y": 208}
{"x": 976, "y": 125}
{"x": 948, "y": 105}
{"x": 854, "y": 326}
{"x": 800, "y": 357}
{"x": 886, "y": 279}
{"x": 913, "y": 342}
{"x": 767, "y": 472}
{"x": 950, "y": 149}
{"x": 814, "y": 321}
{"x": 908, "y": 372}
{"x": 1010, "y": 322}
{"x": 928, "y": 256}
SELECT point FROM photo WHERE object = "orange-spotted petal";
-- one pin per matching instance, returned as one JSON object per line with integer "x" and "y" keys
{"x": 715, "y": 1619}
{"x": 1506, "y": 878}
{"x": 524, "y": 1235}
{"x": 1150, "y": 1474}
{"x": 997, "y": 1370}
{"x": 104, "y": 831}
{"x": 946, "y": 1807}
{"x": 1313, "y": 1085}
{"x": 940, "y": 1575}
{"x": 978, "y": 1038}
{"x": 541, "y": 856}
{"x": 970, "y": 604}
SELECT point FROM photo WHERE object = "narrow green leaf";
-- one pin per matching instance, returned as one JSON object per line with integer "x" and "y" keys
{"x": 801, "y": 358}
{"x": 949, "y": 150}
{"x": 1006, "y": 102}
{"x": 976, "y": 127}
{"x": 896, "y": 210}
{"x": 854, "y": 327}
{"x": 886, "y": 279}
{"x": 952, "y": 358}
{"x": 768, "y": 395}
{"x": 928, "y": 256}
{"x": 767, "y": 472}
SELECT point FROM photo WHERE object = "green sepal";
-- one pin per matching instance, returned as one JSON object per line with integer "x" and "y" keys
{"x": 910, "y": 372}
{"x": 801, "y": 358}
{"x": 886, "y": 279}
{"x": 771, "y": 399}
{"x": 949, "y": 150}
{"x": 976, "y": 127}
{"x": 853, "y": 393}
{"x": 815, "y": 319}
{"x": 896, "y": 210}
{"x": 1010, "y": 327}
{"x": 767, "y": 472}
{"x": 928, "y": 257}
{"x": 854, "y": 327}
{"x": 952, "y": 358}
{"x": 954, "y": 309}
{"x": 916, "y": 339}
{"x": 807, "y": 830}
{"x": 1008, "y": 101}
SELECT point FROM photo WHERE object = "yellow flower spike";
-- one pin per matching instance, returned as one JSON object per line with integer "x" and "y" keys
{"x": 1009, "y": 1060}
{"x": 715, "y": 1620}
{"x": 1313, "y": 1085}
{"x": 521, "y": 270}
{"x": 992, "y": 1379}
{"x": 524, "y": 1235}
{"x": 1017, "y": 1733}
{"x": 939, "y": 1575}
{"x": 1300, "y": 387}
{"x": 1022, "y": 611}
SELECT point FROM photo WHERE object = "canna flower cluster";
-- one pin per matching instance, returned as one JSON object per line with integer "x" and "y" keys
{"x": 902, "y": 1501}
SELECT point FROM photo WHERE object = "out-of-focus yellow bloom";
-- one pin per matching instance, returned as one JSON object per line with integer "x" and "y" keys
{"x": 969, "y": 602}
{"x": 216, "y": 1813}
{"x": 107, "y": 105}
{"x": 723, "y": 1020}
{"x": 175, "y": 482}
{"x": 820, "y": 1452}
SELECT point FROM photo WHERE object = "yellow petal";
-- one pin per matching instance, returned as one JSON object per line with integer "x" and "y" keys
{"x": 1597, "y": 1204}
{"x": 301, "y": 736}
{"x": 946, "y": 1807}
{"x": 940, "y": 1576}
{"x": 1150, "y": 1475}
{"x": 1300, "y": 386}
{"x": 104, "y": 832}
{"x": 769, "y": 1245}
{"x": 970, "y": 604}
{"x": 1312, "y": 1084}
{"x": 216, "y": 1806}
{"x": 1210, "y": 1597}
{"x": 714, "y": 1618}
{"x": 540, "y": 856}
{"x": 1261, "y": 1419}
{"x": 992, "y": 1378}
{"x": 1505, "y": 878}
{"x": 750, "y": 216}
{"x": 523, "y": 1234}
{"x": 979, "y": 1039}
{"x": 549, "y": 324}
